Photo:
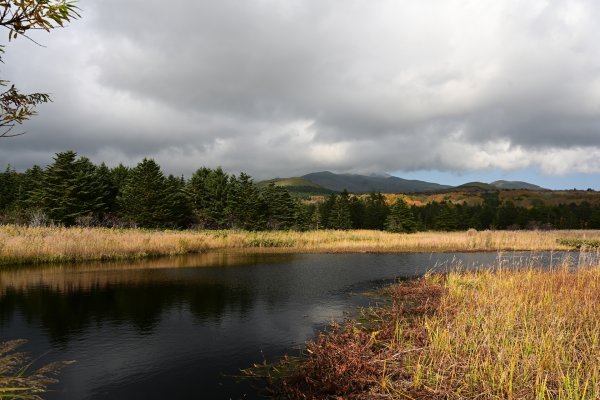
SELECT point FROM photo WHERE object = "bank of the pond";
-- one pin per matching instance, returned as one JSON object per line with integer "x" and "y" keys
{"x": 511, "y": 334}
{"x": 27, "y": 245}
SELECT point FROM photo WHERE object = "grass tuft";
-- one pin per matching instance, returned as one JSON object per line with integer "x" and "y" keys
{"x": 16, "y": 379}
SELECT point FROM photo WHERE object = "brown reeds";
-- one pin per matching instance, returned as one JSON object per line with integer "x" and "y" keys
{"x": 16, "y": 381}
{"x": 20, "y": 245}
{"x": 501, "y": 334}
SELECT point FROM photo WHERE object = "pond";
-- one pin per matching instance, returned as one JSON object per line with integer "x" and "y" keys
{"x": 182, "y": 328}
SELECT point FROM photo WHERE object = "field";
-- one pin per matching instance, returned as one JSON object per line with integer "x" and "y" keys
{"x": 20, "y": 245}
{"x": 499, "y": 334}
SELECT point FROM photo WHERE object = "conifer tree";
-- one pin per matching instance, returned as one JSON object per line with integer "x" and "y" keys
{"x": 118, "y": 176}
{"x": 9, "y": 181}
{"x": 243, "y": 207}
{"x": 357, "y": 212}
{"x": 305, "y": 216}
{"x": 57, "y": 192}
{"x": 594, "y": 222}
{"x": 280, "y": 207}
{"x": 506, "y": 215}
{"x": 401, "y": 218}
{"x": 376, "y": 211}
{"x": 208, "y": 191}
{"x": 90, "y": 192}
{"x": 30, "y": 189}
{"x": 447, "y": 218}
{"x": 340, "y": 217}
{"x": 178, "y": 210}
{"x": 143, "y": 200}
{"x": 109, "y": 191}
{"x": 325, "y": 210}
{"x": 315, "y": 218}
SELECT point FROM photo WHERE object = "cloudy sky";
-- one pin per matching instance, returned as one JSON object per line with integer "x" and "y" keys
{"x": 442, "y": 90}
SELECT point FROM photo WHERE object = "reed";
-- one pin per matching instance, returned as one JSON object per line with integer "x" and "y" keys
{"x": 16, "y": 379}
{"x": 499, "y": 334}
{"x": 20, "y": 245}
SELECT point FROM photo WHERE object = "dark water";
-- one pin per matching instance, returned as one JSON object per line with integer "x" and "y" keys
{"x": 182, "y": 328}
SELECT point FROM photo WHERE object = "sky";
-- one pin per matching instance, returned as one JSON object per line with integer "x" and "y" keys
{"x": 443, "y": 90}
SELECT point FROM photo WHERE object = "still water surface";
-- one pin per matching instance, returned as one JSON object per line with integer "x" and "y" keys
{"x": 181, "y": 328}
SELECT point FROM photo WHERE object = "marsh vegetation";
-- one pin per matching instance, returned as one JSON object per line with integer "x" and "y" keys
{"x": 489, "y": 334}
{"x": 24, "y": 245}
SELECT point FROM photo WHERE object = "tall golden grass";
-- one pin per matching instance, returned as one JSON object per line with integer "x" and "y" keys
{"x": 20, "y": 244}
{"x": 496, "y": 334}
{"x": 513, "y": 335}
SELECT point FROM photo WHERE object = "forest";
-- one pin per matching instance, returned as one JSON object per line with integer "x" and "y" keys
{"x": 74, "y": 191}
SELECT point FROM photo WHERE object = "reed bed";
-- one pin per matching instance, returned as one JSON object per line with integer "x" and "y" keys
{"x": 499, "y": 334}
{"x": 20, "y": 245}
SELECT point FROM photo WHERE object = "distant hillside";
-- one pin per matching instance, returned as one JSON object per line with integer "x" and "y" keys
{"x": 326, "y": 182}
{"x": 289, "y": 182}
{"x": 476, "y": 186}
{"x": 373, "y": 183}
{"x": 516, "y": 185}
{"x": 492, "y": 187}
{"x": 298, "y": 186}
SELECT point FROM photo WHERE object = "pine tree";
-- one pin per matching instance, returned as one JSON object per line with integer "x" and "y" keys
{"x": 506, "y": 215}
{"x": 30, "y": 189}
{"x": 9, "y": 181}
{"x": 109, "y": 192}
{"x": 447, "y": 218}
{"x": 90, "y": 192}
{"x": 57, "y": 192}
{"x": 178, "y": 210}
{"x": 340, "y": 217}
{"x": 594, "y": 222}
{"x": 376, "y": 211}
{"x": 325, "y": 210}
{"x": 143, "y": 200}
{"x": 401, "y": 218}
{"x": 209, "y": 190}
{"x": 243, "y": 208}
{"x": 279, "y": 207}
{"x": 314, "y": 218}
{"x": 357, "y": 212}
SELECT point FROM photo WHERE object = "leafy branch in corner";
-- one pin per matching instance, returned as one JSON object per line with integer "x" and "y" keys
{"x": 19, "y": 17}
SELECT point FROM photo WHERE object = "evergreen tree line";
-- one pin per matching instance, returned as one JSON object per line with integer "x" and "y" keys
{"x": 345, "y": 211}
{"x": 74, "y": 191}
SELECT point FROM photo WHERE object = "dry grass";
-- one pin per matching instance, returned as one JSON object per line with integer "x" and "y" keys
{"x": 504, "y": 334}
{"x": 19, "y": 245}
{"x": 16, "y": 382}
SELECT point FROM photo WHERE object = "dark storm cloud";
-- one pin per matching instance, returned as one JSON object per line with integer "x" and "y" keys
{"x": 283, "y": 88}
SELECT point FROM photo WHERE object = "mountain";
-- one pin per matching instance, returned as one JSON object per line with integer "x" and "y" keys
{"x": 298, "y": 186}
{"x": 515, "y": 185}
{"x": 328, "y": 182}
{"x": 476, "y": 186}
{"x": 370, "y": 183}
{"x": 287, "y": 182}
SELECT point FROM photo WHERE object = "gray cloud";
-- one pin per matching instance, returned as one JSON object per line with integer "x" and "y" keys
{"x": 283, "y": 88}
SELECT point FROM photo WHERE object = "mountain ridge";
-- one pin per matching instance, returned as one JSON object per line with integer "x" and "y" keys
{"x": 356, "y": 183}
{"x": 327, "y": 181}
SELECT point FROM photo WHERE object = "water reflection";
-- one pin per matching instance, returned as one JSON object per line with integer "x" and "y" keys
{"x": 68, "y": 299}
{"x": 177, "y": 328}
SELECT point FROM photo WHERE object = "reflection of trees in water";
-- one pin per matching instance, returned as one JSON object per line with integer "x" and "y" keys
{"x": 64, "y": 314}
{"x": 65, "y": 276}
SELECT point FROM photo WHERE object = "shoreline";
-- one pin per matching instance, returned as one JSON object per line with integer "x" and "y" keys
{"x": 24, "y": 245}
{"x": 500, "y": 333}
